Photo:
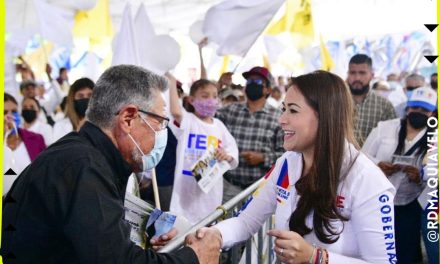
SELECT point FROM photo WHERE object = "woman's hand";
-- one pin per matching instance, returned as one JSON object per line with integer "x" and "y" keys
{"x": 413, "y": 173}
{"x": 202, "y": 233}
{"x": 290, "y": 247}
{"x": 389, "y": 168}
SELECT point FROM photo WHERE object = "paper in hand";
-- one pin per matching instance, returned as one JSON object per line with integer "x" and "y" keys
{"x": 159, "y": 223}
{"x": 404, "y": 160}
{"x": 208, "y": 170}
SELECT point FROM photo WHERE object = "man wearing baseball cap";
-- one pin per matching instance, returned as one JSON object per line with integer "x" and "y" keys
{"x": 254, "y": 125}
{"x": 400, "y": 147}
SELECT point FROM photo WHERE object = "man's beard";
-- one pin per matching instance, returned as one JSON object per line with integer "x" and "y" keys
{"x": 363, "y": 90}
{"x": 137, "y": 158}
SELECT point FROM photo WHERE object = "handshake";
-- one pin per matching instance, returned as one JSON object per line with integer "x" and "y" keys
{"x": 206, "y": 243}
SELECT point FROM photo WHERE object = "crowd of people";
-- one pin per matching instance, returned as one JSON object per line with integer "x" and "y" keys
{"x": 330, "y": 151}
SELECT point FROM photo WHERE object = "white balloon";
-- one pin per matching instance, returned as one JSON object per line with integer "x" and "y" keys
{"x": 195, "y": 32}
{"x": 165, "y": 53}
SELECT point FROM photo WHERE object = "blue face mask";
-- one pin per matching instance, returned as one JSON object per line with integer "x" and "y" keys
{"x": 17, "y": 122}
{"x": 150, "y": 160}
{"x": 408, "y": 94}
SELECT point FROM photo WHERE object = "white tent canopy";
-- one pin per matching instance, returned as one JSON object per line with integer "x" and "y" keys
{"x": 335, "y": 20}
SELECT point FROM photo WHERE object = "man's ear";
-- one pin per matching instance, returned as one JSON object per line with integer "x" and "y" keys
{"x": 126, "y": 117}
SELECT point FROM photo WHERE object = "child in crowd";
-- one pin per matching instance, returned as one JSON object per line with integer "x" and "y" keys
{"x": 197, "y": 133}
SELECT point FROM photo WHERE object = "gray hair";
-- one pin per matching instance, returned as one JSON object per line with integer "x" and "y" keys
{"x": 415, "y": 77}
{"x": 119, "y": 86}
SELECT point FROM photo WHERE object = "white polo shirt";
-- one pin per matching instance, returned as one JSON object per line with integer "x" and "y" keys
{"x": 365, "y": 196}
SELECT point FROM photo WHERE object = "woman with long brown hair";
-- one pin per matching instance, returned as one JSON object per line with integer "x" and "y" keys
{"x": 331, "y": 203}
{"x": 76, "y": 106}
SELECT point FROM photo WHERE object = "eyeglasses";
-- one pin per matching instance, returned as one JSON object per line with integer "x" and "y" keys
{"x": 163, "y": 121}
{"x": 257, "y": 81}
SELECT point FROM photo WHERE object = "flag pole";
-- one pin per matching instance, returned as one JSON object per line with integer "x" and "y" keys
{"x": 155, "y": 189}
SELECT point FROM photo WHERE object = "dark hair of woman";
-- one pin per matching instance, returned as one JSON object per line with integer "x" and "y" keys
{"x": 9, "y": 98}
{"x": 422, "y": 143}
{"x": 329, "y": 96}
{"x": 78, "y": 85}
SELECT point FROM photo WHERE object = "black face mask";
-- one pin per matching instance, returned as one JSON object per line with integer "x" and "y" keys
{"x": 417, "y": 120}
{"x": 361, "y": 91}
{"x": 254, "y": 91}
{"x": 434, "y": 85}
{"x": 80, "y": 106}
{"x": 411, "y": 88}
{"x": 29, "y": 115}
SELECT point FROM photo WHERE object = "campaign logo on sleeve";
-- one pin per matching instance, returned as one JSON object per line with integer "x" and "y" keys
{"x": 257, "y": 191}
{"x": 283, "y": 186}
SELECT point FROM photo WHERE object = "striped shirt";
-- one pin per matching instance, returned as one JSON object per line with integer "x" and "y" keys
{"x": 260, "y": 132}
{"x": 373, "y": 109}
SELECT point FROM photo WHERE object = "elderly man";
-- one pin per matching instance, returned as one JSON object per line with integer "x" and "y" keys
{"x": 67, "y": 206}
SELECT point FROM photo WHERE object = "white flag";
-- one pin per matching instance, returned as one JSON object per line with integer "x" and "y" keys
{"x": 26, "y": 18}
{"x": 142, "y": 24}
{"x": 236, "y": 24}
{"x": 125, "y": 49}
{"x": 53, "y": 24}
{"x": 144, "y": 32}
{"x": 274, "y": 48}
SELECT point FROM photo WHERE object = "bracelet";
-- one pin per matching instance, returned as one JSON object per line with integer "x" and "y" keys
{"x": 318, "y": 253}
{"x": 326, "y": 255}
{"x": 321, "y": 259}
{"x": 313, "y": 255}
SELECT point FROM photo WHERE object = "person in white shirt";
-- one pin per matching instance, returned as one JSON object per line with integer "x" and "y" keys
{"x": 30, "y": 111}
{"x": 399, "y": 98}
{"x": 276, "y": 97}
{"x": 51, "y": 98}
{"x": 386, "y": 145}
{"x": 76, "y": 106}
{"x": 331, "y": 203}
{"x": 48, "y": 101}
{"x": 198, "y": 133}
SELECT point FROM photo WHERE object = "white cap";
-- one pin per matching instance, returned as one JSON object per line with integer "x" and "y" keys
{"x": 423, "y": 97}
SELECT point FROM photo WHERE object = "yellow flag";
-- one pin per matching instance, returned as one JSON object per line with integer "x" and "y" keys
{"x": 297, "y": 18}
{"x": 326, "y": 60}
{"x": 302, "y": 22}
{"x": 285, "y": 22}
{"x": 225, "y": 64}
{"x": 38, "y": 59}
{"x": 95, "y": 24}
